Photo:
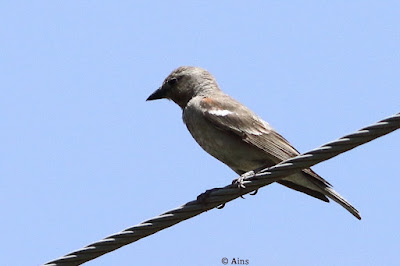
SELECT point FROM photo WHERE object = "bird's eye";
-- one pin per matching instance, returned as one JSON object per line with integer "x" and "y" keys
{"x": 172, "y": 81}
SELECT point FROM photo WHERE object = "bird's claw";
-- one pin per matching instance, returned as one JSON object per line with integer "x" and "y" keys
{"x": 240, "y": 180}
{"x": 254, "y": 192}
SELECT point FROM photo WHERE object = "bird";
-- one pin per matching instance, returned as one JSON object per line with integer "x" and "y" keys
{"x": 235, "y": 135}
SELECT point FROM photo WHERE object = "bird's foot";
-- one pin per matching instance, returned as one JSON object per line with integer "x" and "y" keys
{"x": 202, "y": 198}
{"x": 240, "y": 182}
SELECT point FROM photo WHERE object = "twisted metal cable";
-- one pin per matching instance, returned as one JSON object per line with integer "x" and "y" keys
{"x": 251, "y": 181}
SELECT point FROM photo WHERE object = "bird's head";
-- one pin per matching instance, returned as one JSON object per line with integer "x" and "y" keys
{"x": 183, "y": 84}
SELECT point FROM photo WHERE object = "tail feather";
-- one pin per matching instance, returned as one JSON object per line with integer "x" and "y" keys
{"x": 312, "y": 184}
{"x": 340, "y": 200}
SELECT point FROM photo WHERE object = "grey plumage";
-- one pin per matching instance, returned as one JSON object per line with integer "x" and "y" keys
{"x": 235, "y": 135}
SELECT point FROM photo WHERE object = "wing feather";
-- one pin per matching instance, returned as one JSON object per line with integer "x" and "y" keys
{"x": 238, "y": 119}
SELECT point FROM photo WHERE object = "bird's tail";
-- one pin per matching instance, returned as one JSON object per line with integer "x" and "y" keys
{"x": 312, "y": 184}
{"x": 340, "y": 200}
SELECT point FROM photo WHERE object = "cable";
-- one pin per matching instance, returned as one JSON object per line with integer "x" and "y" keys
{"x": 251, "y": 181}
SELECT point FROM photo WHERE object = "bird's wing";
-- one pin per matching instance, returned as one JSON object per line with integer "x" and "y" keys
{"x": 229, "y": 115}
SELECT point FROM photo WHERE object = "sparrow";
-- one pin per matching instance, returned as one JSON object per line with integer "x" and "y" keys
{"x": 233, "y": 134}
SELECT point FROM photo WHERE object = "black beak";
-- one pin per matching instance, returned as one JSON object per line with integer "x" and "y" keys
{"x": 158, "y": 94}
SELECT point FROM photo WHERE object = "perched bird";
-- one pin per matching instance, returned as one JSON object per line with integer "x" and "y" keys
{"x": 235, "y": 135}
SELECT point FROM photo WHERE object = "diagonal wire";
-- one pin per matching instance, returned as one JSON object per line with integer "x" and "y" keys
{"x": 251, "y": 180}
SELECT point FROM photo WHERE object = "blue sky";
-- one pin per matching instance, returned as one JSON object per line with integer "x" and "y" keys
{"x": 84, "y": 156}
